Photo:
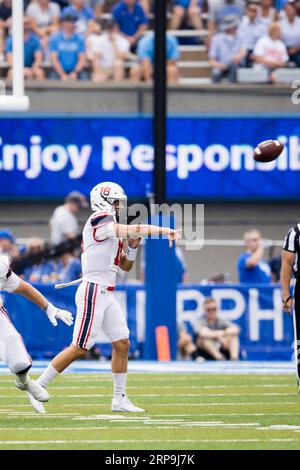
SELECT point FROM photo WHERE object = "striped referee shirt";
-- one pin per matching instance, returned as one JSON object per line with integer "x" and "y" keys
{"x": 291, "y": 244}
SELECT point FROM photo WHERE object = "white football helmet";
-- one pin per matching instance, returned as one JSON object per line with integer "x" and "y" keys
{"x": 103, "y": 195}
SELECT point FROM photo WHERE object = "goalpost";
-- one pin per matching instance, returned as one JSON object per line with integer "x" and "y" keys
{"x": 18, "y": 101}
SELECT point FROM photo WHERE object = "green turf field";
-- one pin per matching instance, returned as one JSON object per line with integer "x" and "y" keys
{"x": 183, "y": 412}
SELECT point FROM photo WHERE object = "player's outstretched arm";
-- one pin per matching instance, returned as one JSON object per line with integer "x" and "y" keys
{"x": 145, "y": 231}
{"x": 53, "y": 313}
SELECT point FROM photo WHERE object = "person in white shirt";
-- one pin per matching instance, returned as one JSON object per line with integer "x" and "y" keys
{"x": 109, "y": 51}
{"x": 97, "y": 310}
{"x": 290, "y": 32}
{"x": 270, "y": 52}
{"x": 12, "y": 349}
{"x": 252, "y": 28}
{"x": 63, "y": 223}
{"x": 267, "y": 12}
{"x": 44, "y": 16}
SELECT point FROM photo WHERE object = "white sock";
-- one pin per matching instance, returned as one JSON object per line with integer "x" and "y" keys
{"x": 119, "y": 384}
{"x": 23, "y": 378}
{"x": 47, "y": 376}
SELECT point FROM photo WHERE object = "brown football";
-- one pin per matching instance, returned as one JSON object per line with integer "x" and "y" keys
{"x": 268, "y": 151}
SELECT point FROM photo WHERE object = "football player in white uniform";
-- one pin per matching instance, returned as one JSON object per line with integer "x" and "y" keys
{"x": 12, "y": 349}
{"x": 97, "y": 310}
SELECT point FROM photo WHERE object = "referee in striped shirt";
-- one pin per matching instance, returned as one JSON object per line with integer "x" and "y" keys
{"x": 291, "y": 265}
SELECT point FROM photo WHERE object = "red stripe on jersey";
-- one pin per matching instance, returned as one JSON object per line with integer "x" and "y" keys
{"x": 92, "y": 318}
{"x": 84, "y": 313}
{"x": 96, "y": 239}
{"x": 97, "y": 215}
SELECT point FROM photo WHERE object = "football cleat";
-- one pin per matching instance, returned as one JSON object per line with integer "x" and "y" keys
{"x": 36, "y": 405}
{"x": 124, "y": 404}
{"x": 36, "y": 390}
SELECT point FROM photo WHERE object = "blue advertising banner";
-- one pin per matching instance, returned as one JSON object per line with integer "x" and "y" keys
{"x": 266, "y": 332}
{"x": 207, "y": 157}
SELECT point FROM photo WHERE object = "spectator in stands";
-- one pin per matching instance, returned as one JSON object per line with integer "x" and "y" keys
{"x": 131, "y": 20}
{"x": 43, "y": 272}
{"x": 251, "y": 29}
{"x": 186, "y": 8}
{"x": 5, "y": 22}
{"x": 220, "y": 10}
{"x": 69, "y": 269}
{"x": 270, "y": 52}
{"x": 267, "y": 12}
{"x": 290, "y": 31}
{"x": 33, "y": 54}
{"x": 217, "y": 339}
{"x": 93, "y": 38}
{"x": 67, "y": 51}
{"x": 44, "y": 18}
{"x": 84, "y": 16}
{"x": 109, "y": 51}
{"x": 63, "y": 223}
{"x": 8, "y": 244}
{"x": 226, "y": 52}
{"x": 145, "y": 53}
{"x": 252, "y": 268}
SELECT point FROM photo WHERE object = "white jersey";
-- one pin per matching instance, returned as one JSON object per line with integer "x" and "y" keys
{"x": 9, "y": 281}
{"x": 101, "y": 250}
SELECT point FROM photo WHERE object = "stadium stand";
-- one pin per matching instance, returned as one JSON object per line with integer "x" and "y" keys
{"x": 193, "y": 64}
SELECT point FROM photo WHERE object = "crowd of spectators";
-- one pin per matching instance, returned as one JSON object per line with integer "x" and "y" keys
{"x": 74, "y": 40}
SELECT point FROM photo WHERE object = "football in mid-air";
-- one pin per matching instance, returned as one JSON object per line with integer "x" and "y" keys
{"x": 267, "y": 151}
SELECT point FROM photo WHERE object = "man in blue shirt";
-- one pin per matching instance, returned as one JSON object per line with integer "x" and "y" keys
{"x": 84, "y": 16}
{"x": 226, "y": 52}
{"x": 67, "y": 52}
{"x": 131, "y": 20}
{"x": 252, "y": 268}
{"x": 145, "y": 53}
{"x": 33, "y": 54}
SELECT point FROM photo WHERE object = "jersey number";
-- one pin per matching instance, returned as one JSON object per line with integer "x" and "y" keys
{"x": 117, "y": 258}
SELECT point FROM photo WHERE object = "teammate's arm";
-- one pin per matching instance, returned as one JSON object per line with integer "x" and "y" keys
{"x": 288, "y": 260}
{"x": 32, "y": 294}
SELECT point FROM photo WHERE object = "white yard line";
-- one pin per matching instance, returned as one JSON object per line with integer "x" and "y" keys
{"x": 127, "y": 441}
{"x": 164, "y": 426}
{"x": 83, "y": 405}
{"x": 158, "y": 387}
{"x": 102, "y": 395}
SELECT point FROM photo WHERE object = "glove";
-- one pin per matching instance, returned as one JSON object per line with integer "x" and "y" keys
{"x": 54, "y": 313}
